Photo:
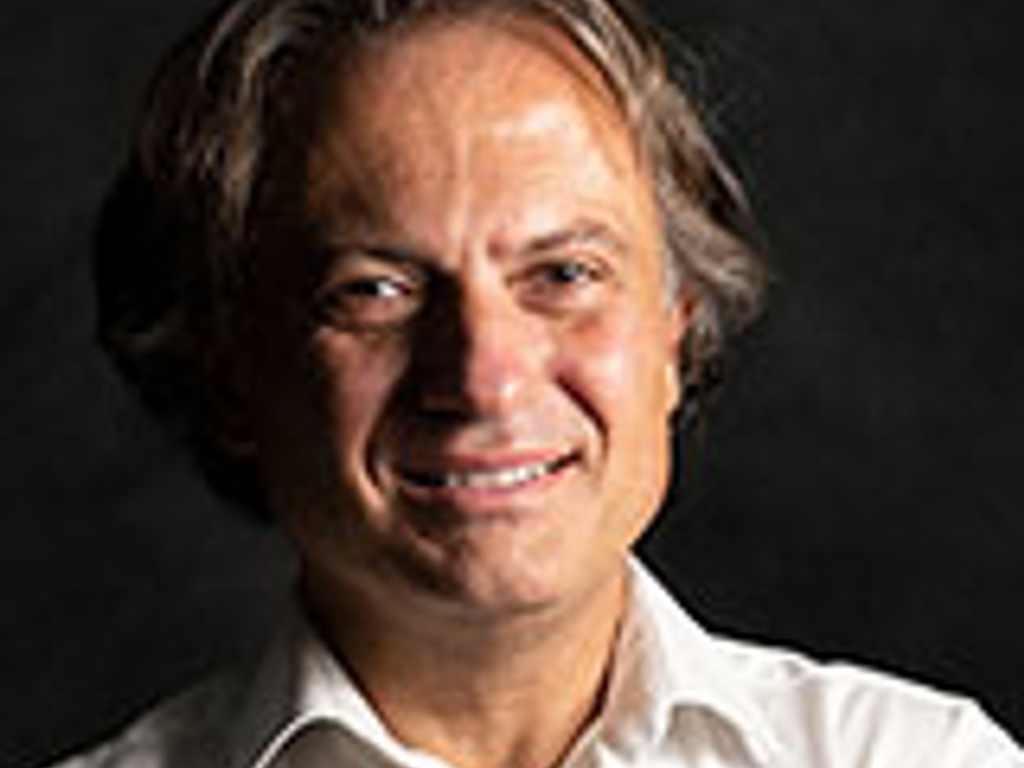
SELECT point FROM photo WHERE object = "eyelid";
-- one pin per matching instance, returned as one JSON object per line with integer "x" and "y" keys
{"x": 356, "y": 260}
{"x": 586, "y": 235}
{"x": 347, "y": 255}
{"x": 583, "y": 282}
{"x": 342, "y": 299}
{"x": 584, "y": 265}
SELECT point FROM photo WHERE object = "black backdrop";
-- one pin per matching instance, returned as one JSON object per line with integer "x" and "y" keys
{"x": 857, "y": 491}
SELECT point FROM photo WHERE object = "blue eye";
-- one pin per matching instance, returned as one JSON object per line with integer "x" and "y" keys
{"x": 568, "y": 273}
{"x": 562, "y": 285}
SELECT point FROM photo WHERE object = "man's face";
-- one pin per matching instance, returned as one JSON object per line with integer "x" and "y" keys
{"x": 468, "y": 365}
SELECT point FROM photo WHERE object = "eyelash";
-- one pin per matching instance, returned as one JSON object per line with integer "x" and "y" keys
{"x": 564, "y": 282}
{"x": 568, "y": 271}
{"x": 368, "y": 301}
{"x": 367, "y": 287}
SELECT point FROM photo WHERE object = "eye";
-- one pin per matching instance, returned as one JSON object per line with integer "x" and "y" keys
{"x": 368, "y": 299}
{"x": 568, "y": 273}
{"x": 564, "y": 283}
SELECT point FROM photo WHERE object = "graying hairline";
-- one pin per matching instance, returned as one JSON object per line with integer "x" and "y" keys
{"x": 624, "y": 81}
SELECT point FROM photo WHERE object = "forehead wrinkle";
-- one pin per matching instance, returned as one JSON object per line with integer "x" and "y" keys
{"x": 361, "y": 166}
{"x": 352, "y": 183}
{"x": 421, "y": 86}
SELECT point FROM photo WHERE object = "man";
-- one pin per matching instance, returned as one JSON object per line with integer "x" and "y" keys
{"x": 425, "y": 283}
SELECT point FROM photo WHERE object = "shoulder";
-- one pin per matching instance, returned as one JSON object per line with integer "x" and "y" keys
{"x": 806, "y": 712}
{"x": 233, "y": 717}
{"x": 184, "y": 730}
{"x": 847, "y": 715}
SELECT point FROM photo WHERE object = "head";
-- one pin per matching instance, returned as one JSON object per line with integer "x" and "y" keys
{"x": 408, "y": 273}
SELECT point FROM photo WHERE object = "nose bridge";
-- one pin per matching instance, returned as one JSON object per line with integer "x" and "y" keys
{"x": 499, "y": 348}
{"x": 490, "y": 353}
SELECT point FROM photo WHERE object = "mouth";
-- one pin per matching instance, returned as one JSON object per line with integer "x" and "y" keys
{"x": 503, "y": 477}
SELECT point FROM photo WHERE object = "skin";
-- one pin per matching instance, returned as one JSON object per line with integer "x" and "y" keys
{"x": 464, "y": 378}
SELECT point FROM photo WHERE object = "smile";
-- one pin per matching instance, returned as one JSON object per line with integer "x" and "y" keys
{"x": 490, "y": 478}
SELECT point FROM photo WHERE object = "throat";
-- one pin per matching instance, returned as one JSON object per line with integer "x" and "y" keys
{"x": 535, "y": 726}
{"x": 482, "y": 696}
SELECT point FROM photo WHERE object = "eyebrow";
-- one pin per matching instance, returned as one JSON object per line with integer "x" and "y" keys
{"x": 579, "y": 233}
{"x": 345, "y": 248}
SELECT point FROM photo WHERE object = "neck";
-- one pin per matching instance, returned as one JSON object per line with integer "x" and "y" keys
{"x": 515, "y": 692}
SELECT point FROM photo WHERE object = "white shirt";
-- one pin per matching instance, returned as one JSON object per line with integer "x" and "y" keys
{"x": 677, "y": 697}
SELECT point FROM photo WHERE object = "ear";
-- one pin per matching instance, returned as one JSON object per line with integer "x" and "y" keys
{"x": 681, "y": 315}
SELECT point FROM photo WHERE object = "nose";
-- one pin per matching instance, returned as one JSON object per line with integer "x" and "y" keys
{"x": 480, "y": 356}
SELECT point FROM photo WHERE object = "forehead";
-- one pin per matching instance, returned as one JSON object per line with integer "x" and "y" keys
{"x": 502, "y": 50}
{"x": 416, "y": 102}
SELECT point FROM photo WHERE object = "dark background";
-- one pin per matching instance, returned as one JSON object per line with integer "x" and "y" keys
{"x": 857, "y": 491}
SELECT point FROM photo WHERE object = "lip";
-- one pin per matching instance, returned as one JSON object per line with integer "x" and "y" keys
{"x": 475, "y": 482}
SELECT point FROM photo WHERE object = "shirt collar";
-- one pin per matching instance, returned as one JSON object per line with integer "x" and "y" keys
{"x": 665, "y": 667}
{"x": 299, "y": 684}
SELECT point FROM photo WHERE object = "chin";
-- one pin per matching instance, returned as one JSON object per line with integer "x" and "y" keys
{"x": 504, "y": 584}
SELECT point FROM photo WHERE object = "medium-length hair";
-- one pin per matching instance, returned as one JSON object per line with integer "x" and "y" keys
{"x": 177, "y": 231}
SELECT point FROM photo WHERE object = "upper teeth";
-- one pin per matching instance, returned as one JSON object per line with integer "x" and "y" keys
{"x": 489, "y": 478}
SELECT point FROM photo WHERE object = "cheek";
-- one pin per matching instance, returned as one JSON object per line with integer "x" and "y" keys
{"x": 621, "y": 369}
{"x": 317, "y": 415}
{"x": 617, "y": 372}
{"x": 351, "y": 387}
